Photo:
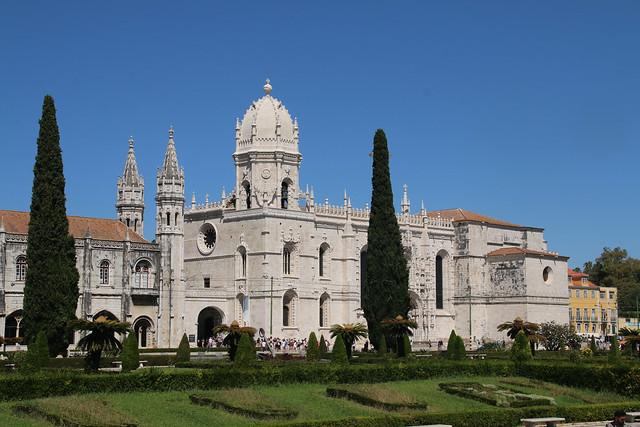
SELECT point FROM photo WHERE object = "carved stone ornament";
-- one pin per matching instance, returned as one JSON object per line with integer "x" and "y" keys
{"x": 290, "y": 237}
{"x": 266, "y": 173}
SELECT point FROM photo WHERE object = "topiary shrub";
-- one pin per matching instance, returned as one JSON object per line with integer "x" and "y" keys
{"x": 614, "y": 352}
{"x": 406, "y": 344}
{"x": 339, "y": 352}
{"x": 382, "y": 347}
{"x": 451, "y": 344}
{"x": 37, "y": 353}
{"x": 313, "y": 352}
{"x": 460, "y": 351}
{"x": 323, "y": 347}
{"x": 592, "y": 346}
{"x": 246, "y": 353}
{"x": 521, "y": 350}
{"x": 130, "y": 353}
{"x": 183, "y": 354}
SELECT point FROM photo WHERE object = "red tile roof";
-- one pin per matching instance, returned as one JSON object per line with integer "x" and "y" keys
{"x": 523, "y": 251}
{"x": 462, "y": 215}
{"x": 100, "y": 229}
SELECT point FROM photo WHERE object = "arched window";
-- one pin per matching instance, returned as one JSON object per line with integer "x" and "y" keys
{"x": 284, "y": 195}
{"x": 128, "y": 222}
{"x": 242, "y": 262}
{"x": 12, "y": 325}
{"x": 176, "y": 219}
{"x": 21, "y": 268}
{"x": 142, "y": 274}
{"x": 324, "y": 310}
{"x": 289, "y": 302}
{"x": 440, "y": 280}
{"x": 135, "y": 225}
{"x": 286, "y": 260}
{"x": 143, "y": 330}
{"x": 104, "y": 272}
{"x": 247, "y": 190}
{"x": 322, "y": 260}
{"x": 168, "y": 218}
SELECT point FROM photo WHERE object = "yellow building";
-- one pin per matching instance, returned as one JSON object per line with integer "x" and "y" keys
{"x": 629, "y": 323}
{"x": 593, "y": 310}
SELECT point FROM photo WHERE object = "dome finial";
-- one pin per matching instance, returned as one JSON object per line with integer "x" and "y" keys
{"x": 171, "y": 131}
{"x": 130, "y": 143}
{"x": 267, "y": 87}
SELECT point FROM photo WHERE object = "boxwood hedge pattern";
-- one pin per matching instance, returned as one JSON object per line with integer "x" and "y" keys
{"x": 344, "y": 393}
{"x": 262, "y": 413}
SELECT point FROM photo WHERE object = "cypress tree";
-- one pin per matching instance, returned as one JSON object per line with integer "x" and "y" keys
{"x": 38, "y": 353}
{"x": 614, "y": 352}
{"x": 323, "y": 347}
{"x": 592, "y": 346}
{"x": 406, "y": 346}
{"x": 460, "y": 351}
{"x": 184, "y": 350}
{"x": 313, "y": 351}
{"x": 382, "y": 347}
{"x": 130, "y": 353}
{"x": 246, "y": 354}
{"x": 451, "y": 345}
{"x": 385, "y": 291}
{"x": 339, "y": 351}
{"x": 521, "y": 350}
{"x": 51, "y": 287}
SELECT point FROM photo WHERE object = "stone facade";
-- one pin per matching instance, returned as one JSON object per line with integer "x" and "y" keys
{"x": 269, "y": 255}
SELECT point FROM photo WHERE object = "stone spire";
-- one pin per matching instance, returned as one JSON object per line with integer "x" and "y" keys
{"x": 130, "y": 198}
{"x": 406, "y": 205}
{"x": 130, "y": 175}
{"x": 170, "y": 166}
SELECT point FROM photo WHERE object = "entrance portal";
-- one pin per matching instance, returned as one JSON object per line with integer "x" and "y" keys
{"x": 208, "y": 319}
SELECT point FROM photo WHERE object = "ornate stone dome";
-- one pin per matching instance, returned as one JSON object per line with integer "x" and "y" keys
{"x": 267, "y": 125}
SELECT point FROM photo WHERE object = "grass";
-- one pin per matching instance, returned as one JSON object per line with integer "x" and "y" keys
{"x": 153, "y": 409}
{"x": 244, "y": 401}
{"x": 76, "y": 410}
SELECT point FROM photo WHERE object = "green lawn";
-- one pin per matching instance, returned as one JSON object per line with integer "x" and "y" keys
{"x": 175, "y": 408}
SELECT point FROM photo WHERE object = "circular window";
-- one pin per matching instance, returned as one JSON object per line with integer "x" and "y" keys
{"x": 207, "y": 238}
{"x": 547, "y": 275}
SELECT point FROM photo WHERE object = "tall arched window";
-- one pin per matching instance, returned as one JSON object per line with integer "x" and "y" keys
{"x": 322, "y": 262}
{"x": 286, "y": 260}
{"x": 142, "y": 274}
{"x": 242, "y": 262}
{"x": 289, "y": 302}
{"x": 135, "y": 225}
{"x": 324, "y": 310}
{"x": 104, "y": 272}
{"x": 284, "y": 195}
{"x": 21, "y": 268}
{"x": 168, "y": 218}
{"x": 143, "y": 330}
{"x": 439, "y": 283}
{"x": 247, "y": 190}
{"x": 128, "y": 222}
{"x": 175, "y": 222}
{"x": 12, "y": 325}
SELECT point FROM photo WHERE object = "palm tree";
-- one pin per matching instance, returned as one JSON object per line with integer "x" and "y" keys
{"x": 101, "y": 338}
{"x": 530, "y": 329}
{"x": 234, "y": 332}
{"x": 397, "y": 328}
{"x": 631, "y": 338}
{"x": 350, "y": 333}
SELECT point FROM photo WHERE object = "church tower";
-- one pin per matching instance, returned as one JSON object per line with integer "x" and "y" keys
{"x": 267, "y": 157}
{"x": 170, "y": 237}
{"x": 130, "y": 198}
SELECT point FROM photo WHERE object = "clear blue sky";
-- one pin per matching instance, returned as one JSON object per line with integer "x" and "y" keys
{"x": 526, "y": 111}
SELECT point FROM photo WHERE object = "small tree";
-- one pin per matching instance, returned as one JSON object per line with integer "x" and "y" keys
{"x": 313, "y": 352}
{"x": 350, "y": 333}
{"x": 530, "y": 329}
{"x": 459, "y": 350}
{"x": 406, "y": 346}
{"x": 184, "y": 350}
{"x": 339, "y": 352}
{"x": 382, "y": 347}
{"x": 101, "y": 338}
{"x": 233, "y": 334}
{"x": 398, "y": 328}
{"x": 592, "y": 346}
{"x": 451, "y": 344}
{"x": 323, "y": 347}
{"x": 130, "y": 353}
{"x": 614, "y": 352}
{"x": 38, "y": 353}
{"x": 521, "y": 350}
{"x": 246, "y": 354}
{"x": 556, "y": 336}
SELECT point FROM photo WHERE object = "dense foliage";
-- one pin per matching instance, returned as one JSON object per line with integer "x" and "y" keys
{"x": 615, "y": 268}
{"x": 349, "y": 333}
{"x": 246, "y": 355}
{"x": 521, "y": 350}
{"x": 614, "y": 351}
{"x": 183, "y": 354}
{"x": 558, "y": 337}
{"x": 51, "y": 286}
{"x": 130, "y": 353}
{"x": 455, "y": 347}
{"x": 398, "y": 329}
{"x": 323, "y": 347}
{"x": 313, "y": 351}
{"x": 233, "y": 333}
{"x": 339, "y": 351}
{"x": 38, "y": 353}
{"x": 385, "y": 288}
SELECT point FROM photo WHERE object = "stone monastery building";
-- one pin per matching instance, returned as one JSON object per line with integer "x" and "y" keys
{"x": 271, "y": 256}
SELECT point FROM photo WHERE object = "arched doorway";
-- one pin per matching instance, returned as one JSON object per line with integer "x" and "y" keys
{"x": 12, "y": 325}
{"x": 208, "y": 318}
{"x": 105, "y": 313}
{"x": 143, "y": 330}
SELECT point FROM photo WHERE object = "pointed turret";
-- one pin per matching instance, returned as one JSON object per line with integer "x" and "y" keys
{"x": 130, "y": 198}
{"x": 406, "y": 205}
{"x": 170, "y": 167}
{"x": 170, "y": 191}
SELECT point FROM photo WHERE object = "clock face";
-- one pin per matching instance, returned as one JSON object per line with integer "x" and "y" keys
{"x": 266, "y": 173}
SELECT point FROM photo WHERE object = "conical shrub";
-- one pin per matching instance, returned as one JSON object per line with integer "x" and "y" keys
{"x": 521, "y": 350}
{"x": 246, "y": 354}
{"x": 184, "y": 350}
{"x": 130, "y": 353}
{"x": 38, "y": 353}
{"x": 313, "y": 351}
{"x": 323, "y": 347}
{"x": 339, "y": 352}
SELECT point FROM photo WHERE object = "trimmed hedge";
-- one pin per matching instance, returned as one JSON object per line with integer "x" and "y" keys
{"x": 480, "y": 418}
{"x": 262, "y": 413}
{"x": 343, "y": 393}
{"x": 58, "y": 383}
